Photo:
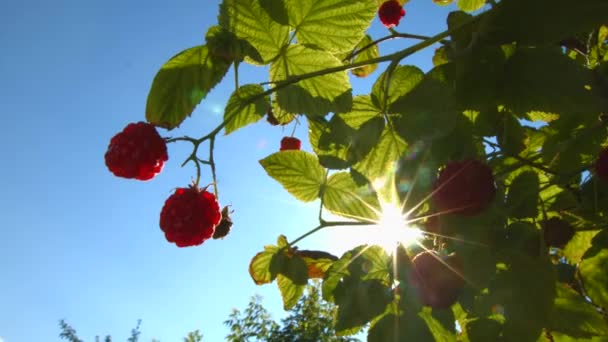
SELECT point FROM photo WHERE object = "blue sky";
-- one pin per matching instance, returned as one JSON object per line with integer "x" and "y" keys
{"x": 80, "y": 244}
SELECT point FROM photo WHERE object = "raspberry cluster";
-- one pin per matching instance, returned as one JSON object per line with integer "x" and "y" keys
{"x": 189, "y": 216}
{"x": 464, "y": 187}
{"x": 437, "y": 280}
{"x": 137, "y": 152}
{"x": 290, "y": 143}
{"x": 390, "y": 13}
{"x": 601, "y": 165}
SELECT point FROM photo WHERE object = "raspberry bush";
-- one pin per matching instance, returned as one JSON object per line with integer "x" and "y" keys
{"x": 498, "y": 153}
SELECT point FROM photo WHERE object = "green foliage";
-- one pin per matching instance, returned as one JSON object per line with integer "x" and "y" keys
{"x": 69, "y": 333}
{"x": 310, "y": 320}
{"x": 299, "y": 173}
{"x": 522, "y": 86}
{"x": 181, "y": 84}
{"x": 240, "y": 111}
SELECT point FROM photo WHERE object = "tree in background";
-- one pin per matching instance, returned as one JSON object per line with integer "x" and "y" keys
{"x": 69, "y": 333}
{"x": 311, "y": 320}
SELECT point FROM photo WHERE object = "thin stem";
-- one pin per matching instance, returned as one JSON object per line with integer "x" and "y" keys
{"x": 236, "y": 75}
{"x": 212, "y": 165}
{"x": 321, "y": 195}
{"x": 394, "y": 34}
{"x": 523, "y": 160}
{"x": 329, "y": 224}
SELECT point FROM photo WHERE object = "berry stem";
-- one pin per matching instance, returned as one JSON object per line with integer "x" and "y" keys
{"x": 236, "y": 75}
{"x": 212, "y": 165}
{"x": 394, "y": 34}
{"x": 523, "y": 160}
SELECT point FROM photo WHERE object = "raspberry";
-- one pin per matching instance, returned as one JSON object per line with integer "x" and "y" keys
{"x": 390, "y": 13}
{"x": 290, "y": 143}
{"x": 189, "y": 216}
{"x": 557, "y": 232}
{"x": 464, "y": 187}
{"x": 436, "y": 279}
{"x": 223, "y": 228}
{"x": 137, "y": 152}
{"x": 601, "y": 165}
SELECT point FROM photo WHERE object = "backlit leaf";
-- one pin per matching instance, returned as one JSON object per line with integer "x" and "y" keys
{"x": 181, "y": 83}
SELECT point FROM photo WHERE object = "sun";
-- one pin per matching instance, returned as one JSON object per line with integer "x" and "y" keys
{"x": 392, "y": 228}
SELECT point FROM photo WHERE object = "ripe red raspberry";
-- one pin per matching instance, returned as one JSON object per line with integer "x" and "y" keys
{"x": 390, "y": 13}
{"x": 601, "y": 165}
{"x": 464, "y": 187}
{"x": 290, "y": 143}
{"x": 137, "y": 152}
{"x": 436, "y": 279}
{"x": 189, "y": 216}
{"x": 557, "y": 232}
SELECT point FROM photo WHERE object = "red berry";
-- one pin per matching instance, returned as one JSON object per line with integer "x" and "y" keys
{"x": 436, "y": 279}
{"x": 189, "y": 216}
{"x": 137, "y": 152}
{"x": 290, "y": 143}
{"x": 557, "y": 232}
{"x": 601, "y": 165}
{"x": 390, "y": 13}
{"x": 464, "y": 187}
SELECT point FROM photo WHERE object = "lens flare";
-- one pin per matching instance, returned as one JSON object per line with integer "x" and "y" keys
{"x": 393, "y": 229}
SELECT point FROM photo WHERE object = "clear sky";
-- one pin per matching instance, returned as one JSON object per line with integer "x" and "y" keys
{"x": 80, "y": 244}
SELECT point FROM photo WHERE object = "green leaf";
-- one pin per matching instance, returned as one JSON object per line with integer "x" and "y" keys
{"x": 298, "y": 172}
{"x": 363, "y": 110}
{"x": 471, "y": 5}
{"x": 527, "y": 291}
{"x": 578, "y": 245}
{"x": 483, "y": 329}
{"x": 181, "y": 83}
{"x": 461, "y": 38}
{"x": 359, "y": 301}
{"x": 406, "y": 327}
{"x": 401, "y": 81}
{"x": 330, "y": 141}
{"x": 227, "y": 45}
{"x": 511, "y": 135}
{"x": 240, "y": 111}
{"x": 259, "y": 267}
{"x": 332, "y": 25}
{"x": 250, "y": 21}
{"x": 542, "y": 21}
{"x": 441, "y": 324}
{"x": 595, "y": 277}
{"x": 313, "y": 96}
{"x": 440, "y": 56}
{"x": 365, "y": 139}
{"x": 343, "y": 197}
{"x": 532, "y": 77}
{"x": 429, "y": 103}
{"x": 370, "y": 52}
{"x": 522, "y": 199}
{"x": 382, "y": 158}
{"x": 363, "y": 262}
{"x": 317, "y": 262}
{"x": 290, "y": 291}
{"x": 577, "y": 318}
